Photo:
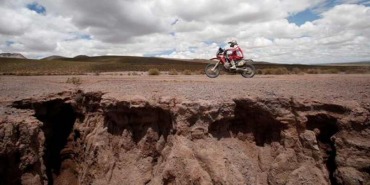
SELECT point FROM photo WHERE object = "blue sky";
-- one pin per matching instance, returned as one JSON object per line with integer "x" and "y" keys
{"x": 165, "y": 52}
{"x": 313, "y": 13}
{"x": 303, "y": 17}
{"x": 36, "y": 8}
{"x": 9, "y": 43}
{"x": 79, "y": 36}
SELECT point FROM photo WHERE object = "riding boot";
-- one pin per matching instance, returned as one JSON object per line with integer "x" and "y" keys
{"x": 232, "y": 65}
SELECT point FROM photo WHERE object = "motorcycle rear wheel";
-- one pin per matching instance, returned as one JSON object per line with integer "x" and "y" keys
{"x": 249, "y": 71}
{"x": 212, "y": 73}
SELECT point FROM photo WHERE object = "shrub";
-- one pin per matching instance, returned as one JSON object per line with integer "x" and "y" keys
{"x": 296, "y": 70}
{"x": 362, "y": 70}
{"x": 281, "y": 71}
{"x": 332, "y": 71}
{"x": 153, "y": 71}
{"x": 173, "y": 72}
{"x": 186, "y": 72}
{"x": 267, "y": 71}
{"x": 275, "y": 71}
{"x": 74, "y": 81}
{"x": 135, "y": 73}
{"x": 199, "y": 72}
{"x": 313, "y": 71}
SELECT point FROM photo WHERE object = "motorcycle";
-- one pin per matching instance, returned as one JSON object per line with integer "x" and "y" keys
{"x": 243, "y": 66}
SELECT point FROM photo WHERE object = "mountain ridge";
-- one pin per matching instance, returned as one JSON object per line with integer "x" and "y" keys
{"x": 12, "y": 55}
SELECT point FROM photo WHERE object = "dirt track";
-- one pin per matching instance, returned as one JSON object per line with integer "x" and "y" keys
{"x": 329, "y": 88}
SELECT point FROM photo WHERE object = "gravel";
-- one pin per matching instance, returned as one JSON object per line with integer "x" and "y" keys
{"x": 327, "y": 88}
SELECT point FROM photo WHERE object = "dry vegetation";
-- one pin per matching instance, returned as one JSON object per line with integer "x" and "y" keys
{"x": 97, "y": 65}
{"x": 186, "y": 72}
{"x": 76, "y": 66}
{"x": 74, "y": 80}
{"x": 173, "y": 72}
{"x": 313, "y": 70}
{"x": 154, "y": 71}
{"x": 133, "y": 73}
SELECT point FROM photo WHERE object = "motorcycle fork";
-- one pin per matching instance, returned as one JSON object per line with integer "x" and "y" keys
{"x": 214, "y": 68}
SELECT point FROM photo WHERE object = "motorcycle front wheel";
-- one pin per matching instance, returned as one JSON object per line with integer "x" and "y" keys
{"x": 248, "y": 71}
{"x": 210, "y": 72}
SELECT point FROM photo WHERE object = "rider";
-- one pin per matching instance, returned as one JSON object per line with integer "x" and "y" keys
{"x": 236, "y": 53}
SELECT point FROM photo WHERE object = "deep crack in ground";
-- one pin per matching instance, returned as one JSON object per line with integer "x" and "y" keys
{"x": 84, "y": 138}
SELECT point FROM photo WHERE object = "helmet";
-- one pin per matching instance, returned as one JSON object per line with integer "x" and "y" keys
{"x": 233, "y": 43}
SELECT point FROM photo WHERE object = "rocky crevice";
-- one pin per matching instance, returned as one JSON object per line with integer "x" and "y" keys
{"x": 9, "y": 171}
{"x": 86, "y": 138}
{"x": 58, "y": 119}
{"x": 325, "y": 128}
{"x": 138, "y": 121}
{"x": 251, "y": 123}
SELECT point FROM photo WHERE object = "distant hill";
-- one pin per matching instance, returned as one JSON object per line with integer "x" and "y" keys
{"x": 54, "y": 57}
{"x": 362, "y": 63}
{"x": 12, "y": 55}
{"x": 84, "y": 64}
{"x": 81, "y": 56}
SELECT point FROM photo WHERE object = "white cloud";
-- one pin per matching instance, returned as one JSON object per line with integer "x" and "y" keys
{"x": 114, "y": 21}
{"x": 348, "y": 16}
{"x": 145, "y": 27}
{"x": 12, "y": 23}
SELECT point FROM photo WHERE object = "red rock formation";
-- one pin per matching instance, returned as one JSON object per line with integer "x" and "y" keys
{"x": 88, "y": 138}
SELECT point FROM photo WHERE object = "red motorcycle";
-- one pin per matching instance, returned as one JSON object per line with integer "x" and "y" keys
{"x": 222, "y": 60}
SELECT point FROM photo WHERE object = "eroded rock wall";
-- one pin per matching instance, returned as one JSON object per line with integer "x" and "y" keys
{"x": 89, "y": 138}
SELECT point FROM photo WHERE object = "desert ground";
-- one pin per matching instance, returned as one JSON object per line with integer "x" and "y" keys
{"x": 321, "y": 87}
{"x": 115, "y": 128}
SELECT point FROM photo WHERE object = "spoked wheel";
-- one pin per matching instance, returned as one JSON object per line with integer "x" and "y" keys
{"x": 211, "y": 71}
{"x": 248, "y": 71}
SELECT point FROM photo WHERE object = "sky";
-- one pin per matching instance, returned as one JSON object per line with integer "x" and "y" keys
{"x": 278, "y": 31}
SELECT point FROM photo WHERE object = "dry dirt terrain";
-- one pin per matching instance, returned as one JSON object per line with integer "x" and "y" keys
{"x": 329, "y": 88}
{"x": 120, "y": 129}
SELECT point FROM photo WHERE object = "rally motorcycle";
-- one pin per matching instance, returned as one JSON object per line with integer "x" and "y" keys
{"x": 243, "y": 66}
